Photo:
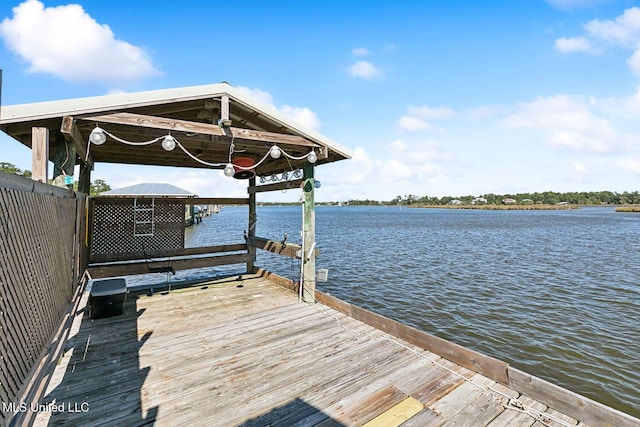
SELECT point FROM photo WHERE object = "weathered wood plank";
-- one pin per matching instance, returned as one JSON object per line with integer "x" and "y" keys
{"x": 553, "y": 418}
{"x": 462, "y": 396}
{"x": 163, "y": 123}
{"x": 71, "y": 133}
{"x": 40, "y": 154}
{"x": 425, "y": 418}
{"x": 478, "y": 362}
{"x": 568, "y": 402}
{"x": 284, "y": 249}
{"x": 512, "y": 417}
{"x": 333, "y": 302}
{"x": 479, "y": 412}
{"x": 397, "y": 414}
{"x": 372, "y": 406}
{"x": 142, "y": 267}
{"x": 156, "y": 122}
{"x": 203, "y": 250}
{"x": 278, "y": 186}
{"x": 225, "y": 354}
{"x": 270, "y": 137}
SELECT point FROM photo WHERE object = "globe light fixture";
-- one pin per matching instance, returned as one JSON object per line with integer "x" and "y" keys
{"x": 97, "y": 136}
{"x": 229, "y": 170}
{"x": 169, "y": 143}
{"x": 312, "y": 157}
{"x": 275, "y": 152}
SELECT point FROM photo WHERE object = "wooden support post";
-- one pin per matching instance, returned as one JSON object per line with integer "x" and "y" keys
{"x": 251, "y": 232}
{"x": 309, "y": 236}
{"x": 64, "y": 158}
{"x": 39, "y": 154}
{"x": 224, "y": 108}
{"x": 84, "y": 180}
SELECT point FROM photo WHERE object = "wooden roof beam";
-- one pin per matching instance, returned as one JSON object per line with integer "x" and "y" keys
{"x": 71, "y": 133}
{"x": 155, "y": 122}
{"x": 201, "y": 128}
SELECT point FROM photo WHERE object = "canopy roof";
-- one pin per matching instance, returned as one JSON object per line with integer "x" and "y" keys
{"x": 197, "y": 117}
{"x": 149, "y": 189}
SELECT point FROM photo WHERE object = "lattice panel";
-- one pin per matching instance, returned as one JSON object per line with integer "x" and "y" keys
{"x": 37, "y": 236}
{"x": 112, "y": 230}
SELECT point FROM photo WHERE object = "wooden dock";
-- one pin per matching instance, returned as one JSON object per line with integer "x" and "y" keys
{"x": 244, "y": 352}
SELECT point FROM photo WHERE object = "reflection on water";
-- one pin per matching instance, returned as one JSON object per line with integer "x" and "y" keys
{"x": 554, "y": 293}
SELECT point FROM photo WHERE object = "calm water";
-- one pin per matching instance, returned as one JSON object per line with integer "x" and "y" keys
{"x": 554, "y": 293}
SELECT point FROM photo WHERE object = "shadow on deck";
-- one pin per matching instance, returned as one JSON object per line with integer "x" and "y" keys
{"x": 153, "y": 364}
{"x": 103, "y": 379}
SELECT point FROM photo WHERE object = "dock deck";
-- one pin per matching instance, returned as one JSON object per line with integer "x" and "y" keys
{"x": 245, "y": 352}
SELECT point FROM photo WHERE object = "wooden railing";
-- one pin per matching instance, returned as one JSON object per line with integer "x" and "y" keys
{"x": 180, "y": 259}
{"x": 41, "y": 260}
{"x": 285, "y": 249}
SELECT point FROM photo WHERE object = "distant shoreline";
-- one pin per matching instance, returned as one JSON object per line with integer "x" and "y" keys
{"x": 502, "y": 207}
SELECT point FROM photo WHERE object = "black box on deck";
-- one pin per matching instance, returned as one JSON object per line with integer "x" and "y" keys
{"x": 107, "y": 297}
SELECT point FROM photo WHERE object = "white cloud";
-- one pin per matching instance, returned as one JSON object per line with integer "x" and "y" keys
{"x": 302, "y": 115}
{"x": 580, "y": 171}
{"x": 418, "y": 119}
{"x": 625, "y": 30}
{"x": 628, "y": 106}
{"x": 366, "y": 70}
{"x": 413, "y": 124}
{"x": 579, "y": 167}
{"x": 360, "y": 51}
{"x": 66, "y": 42}
{"x": 567, "y": 122}
{"x": 574, "y": 44}
{"x": 630, "y": 165}
{"x": 403, "y": 162}
{"x": 258, "y": 94}
{"x": 634, "y": 62}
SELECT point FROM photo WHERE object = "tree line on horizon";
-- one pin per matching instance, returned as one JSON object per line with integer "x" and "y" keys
{"x": 97, "y": 186}
{"x": 585, "y": 198}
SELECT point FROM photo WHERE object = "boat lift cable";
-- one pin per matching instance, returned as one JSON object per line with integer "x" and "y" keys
{"x": 513, "y": 403}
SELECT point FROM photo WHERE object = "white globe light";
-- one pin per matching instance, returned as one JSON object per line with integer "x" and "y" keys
{"x": 275, "y": 152}
{"x": 169, "y": 143}
{"x": 97, "y": 136}
{"x": 312, "y": 157}
{"x": 229, "y": 170}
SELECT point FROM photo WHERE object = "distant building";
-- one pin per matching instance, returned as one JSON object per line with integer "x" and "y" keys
{"x": 526, "y": 201}
{"x": 479, "y": 201}
{"x": 455, "y": 202}
{"x": 509, "y": 201}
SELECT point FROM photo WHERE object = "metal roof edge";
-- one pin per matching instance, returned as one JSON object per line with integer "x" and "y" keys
{"x": 78, "y": 106}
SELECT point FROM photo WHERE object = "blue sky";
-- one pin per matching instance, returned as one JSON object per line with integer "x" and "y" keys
{"x": 434, "y": 98}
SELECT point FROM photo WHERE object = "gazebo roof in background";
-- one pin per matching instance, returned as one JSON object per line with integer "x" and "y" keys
{"x": 192, "y": 115}
{"x": 150, "y": 189}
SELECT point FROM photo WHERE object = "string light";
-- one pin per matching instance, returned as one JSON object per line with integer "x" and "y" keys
{"x": 98, "y": 136}
{"x": 169, "y": 143}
